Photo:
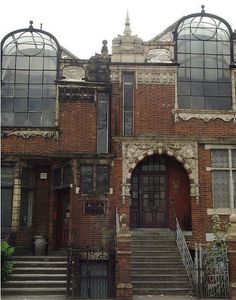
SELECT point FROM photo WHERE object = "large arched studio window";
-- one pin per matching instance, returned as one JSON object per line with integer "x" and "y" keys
{"x": 204, "y": 52}
{"x": 29, "y": 70}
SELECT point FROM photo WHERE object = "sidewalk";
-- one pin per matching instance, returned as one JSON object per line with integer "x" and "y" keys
{"x": 144, "y": 297}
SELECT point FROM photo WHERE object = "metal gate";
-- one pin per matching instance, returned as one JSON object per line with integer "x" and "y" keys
{"x": 90, "y": 273}
{"x": 211, "y": 266}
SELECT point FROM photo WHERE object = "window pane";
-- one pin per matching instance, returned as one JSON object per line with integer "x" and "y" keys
{"x": 20, "y": 105}
{"x": 48, "y": 105}
{"x": 34, "y": 119}
{"x": 102, "y": 179}
{"x": 49, "y": 77}
{"x": 210, "y": 47}
{"x": 49, "y": 91}
{"x": 35, "y": 91}
{"x": 196, "y": 60}
{"x": 67, "y": 175}
{"x": 128, "y": 123}
{"x": 7, "y": 119}
{"x": 197, "y": 46}
{"x": 7, "y": 90}
{"x": 128, "y": 77}
{"x": 184, "y": 101}
{"x": 197, "y": 102}
{"x": 233, "y": 152}
{"x": 22, "y": 76}
{"x": 210, "y": 61}
{"x": 57, "y": 177}
{"x": 221, "y": 189}
{"x": 219, "y": 158}
{"x": 7, "y": 105}
{"x": 36, "y": 77}
{"x": 211, "y": 89}
{"x": 197, "y": 74}
{"x": 6, "y": 207}
{"x": 102, "y": 116}
{"x": 225, "y": 103}
{"x": 234, "y": 184}
{"x": 184, "y": 74}
{"x": 225, "y": 89}
{"x": 183, "y": 88}
{"x": 26, "y": 208}
{"x": 35, "y": 105}
{"x": 197, "y": 88}
{"x": 36, "y": 63}
{"x": 22, "y": 62}
{"x": 211, "y": 74}
{"x": 20, "y": 119}
{"x": 211, "y": 103}
{"x": 7, "y": 176}
{"x": 21, "y": 91}
{"x": 86, "y": 179}
{"x": 27, "y": 177}
{"x": 48, "y": 119}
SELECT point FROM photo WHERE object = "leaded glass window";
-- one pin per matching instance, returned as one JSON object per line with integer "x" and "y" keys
{"x": 128, "y": 100}
{"x": 102, "y": 122}
{"x": 94, "y": 178}
{"x": 223, "y": 162}
{"x": 204, "y": 55}
{"x": 29, "y": 70}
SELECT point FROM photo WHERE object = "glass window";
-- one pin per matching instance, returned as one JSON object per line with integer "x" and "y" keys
{"x": 7, "y": 183}
{"x": 94, "y": 179}
{"x": 223, "y": 162}
{"x": 62, "y": 176}
{"x": 102, "y": 122}
{"x": 203, "y": 52}
{"x": 29, "y": 71}
{"x": 128, "y": 98}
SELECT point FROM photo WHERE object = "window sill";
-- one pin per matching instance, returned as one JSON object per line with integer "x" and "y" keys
{"x": 206, "y": 116}
{"x": 220, "y": 211}
{"x": 26, "y": 133}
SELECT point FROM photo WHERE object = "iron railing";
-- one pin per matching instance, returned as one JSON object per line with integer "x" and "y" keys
{"x": 9, "y": 234}
{"x": 90, "y": 273}
{"x": 184, "y": 251}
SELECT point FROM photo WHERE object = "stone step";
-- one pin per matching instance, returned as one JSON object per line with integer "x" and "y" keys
{"x": 155, "y": 259}
{"x": 39, "y": 258}
{"x": 161, "y": 253}
{"x": 37, "y": 276}
{"x": 153, "y": 244}
{"x": 41, "y": 270}
{"x": 159, "y": 277}
{"x": 163, "y": 291}
{"x": 156, "y": 264}
{"x": 48, "y": 264}
{"x": 161, "y": 284}
{"x": 34, "y": 291}
{"x": 34, "y": 283}
{"x": 151, "y": 270}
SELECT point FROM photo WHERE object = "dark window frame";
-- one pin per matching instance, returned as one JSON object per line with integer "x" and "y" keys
{"x": 205, "y": 100}
{"x": 128, "y": 103}
{"x": 94, "y": 179}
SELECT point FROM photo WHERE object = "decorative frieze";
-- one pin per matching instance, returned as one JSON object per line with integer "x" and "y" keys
{"x": 185, "y": 152}
{"x": 26, "y": 134}
{"x": 206, "y": 117}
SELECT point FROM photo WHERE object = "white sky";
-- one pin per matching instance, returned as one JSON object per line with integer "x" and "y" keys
{"x": 81, "y": 25}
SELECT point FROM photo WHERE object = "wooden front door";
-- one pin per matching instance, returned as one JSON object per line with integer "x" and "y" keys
{"x": 153, "y": 208}
{"x": 63, "y": 218}
{"x": 149, "y": 205}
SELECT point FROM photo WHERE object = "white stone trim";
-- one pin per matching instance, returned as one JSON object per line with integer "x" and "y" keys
{"x": 206, "y": 116}
{"x": 220, "y": 211}
{"x": 215, "y": 146}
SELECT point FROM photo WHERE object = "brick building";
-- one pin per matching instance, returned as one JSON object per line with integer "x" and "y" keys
{"x": 147, "y": 129}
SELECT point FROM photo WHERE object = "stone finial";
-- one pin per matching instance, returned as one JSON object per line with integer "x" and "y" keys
{"x": 31, "y": 24}
{"x": 104, "y": 49}
{"x": 41, "y": 26}
{"x": 123, "y": 220}
{"x": 127, "y": 30}
{"x": 231, "y": 236}
{"x": 203, "y": 8}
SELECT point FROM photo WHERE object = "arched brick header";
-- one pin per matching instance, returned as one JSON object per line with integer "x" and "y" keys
{"x": 185, "y": 153}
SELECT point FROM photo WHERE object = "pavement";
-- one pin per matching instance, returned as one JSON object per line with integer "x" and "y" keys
{"x": 144, "y": 297}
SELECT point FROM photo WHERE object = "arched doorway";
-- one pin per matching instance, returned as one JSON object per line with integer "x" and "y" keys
{"x": 159, "y": 185}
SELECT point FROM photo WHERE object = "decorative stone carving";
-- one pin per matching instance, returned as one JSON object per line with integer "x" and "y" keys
{"x": 146, "y": 77}
{"x": 159, "y": 55}
{"x": 186, "y": 153}
{"x": 73, "y": 73}
{"x": 26, "y": 134}
{"x": 206, "y": 117}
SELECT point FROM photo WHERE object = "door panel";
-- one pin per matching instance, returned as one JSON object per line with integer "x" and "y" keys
{"x": 153, "y": 204}
{"x": 63, "y": 218}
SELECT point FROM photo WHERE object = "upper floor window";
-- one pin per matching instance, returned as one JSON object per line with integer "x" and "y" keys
{"x": 223, "y": 166}
{"x": 29, "y": 70}
{"x": 203, "y": 50}
{"x": 128, "y": 102}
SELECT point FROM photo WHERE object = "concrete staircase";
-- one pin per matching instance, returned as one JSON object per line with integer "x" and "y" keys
{"x": 37, "y": 275}
{"x": 156, "y": 265}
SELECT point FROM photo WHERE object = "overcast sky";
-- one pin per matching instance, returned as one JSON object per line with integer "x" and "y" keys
{"x": 81, "y": 25}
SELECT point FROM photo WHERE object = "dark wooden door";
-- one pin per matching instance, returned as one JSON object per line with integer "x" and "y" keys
{"x": 153, "y": 204}
{"x": 63, "y": 218}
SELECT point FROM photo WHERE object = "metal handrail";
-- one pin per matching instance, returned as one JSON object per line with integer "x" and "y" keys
{"x": 117, "y": 222}
{"x": 184, "y": 251}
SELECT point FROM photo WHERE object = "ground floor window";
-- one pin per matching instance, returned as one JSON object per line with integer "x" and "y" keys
{"x": 7, "y": 182}
{"x": 223, "y": 166}
{"x": 94, "y": 178}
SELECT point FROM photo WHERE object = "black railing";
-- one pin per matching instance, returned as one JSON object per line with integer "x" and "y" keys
{"x": 90, "y": 273}
{"x": 9, "y": 234}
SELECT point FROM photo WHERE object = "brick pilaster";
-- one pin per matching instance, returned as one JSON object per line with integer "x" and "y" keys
{"x": 124, "y": 288}
{"x": 231, "y": 245}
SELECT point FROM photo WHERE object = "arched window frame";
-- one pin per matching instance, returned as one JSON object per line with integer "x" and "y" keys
{"x": 48, "y": 40}
{"x": 231, "y": 65}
